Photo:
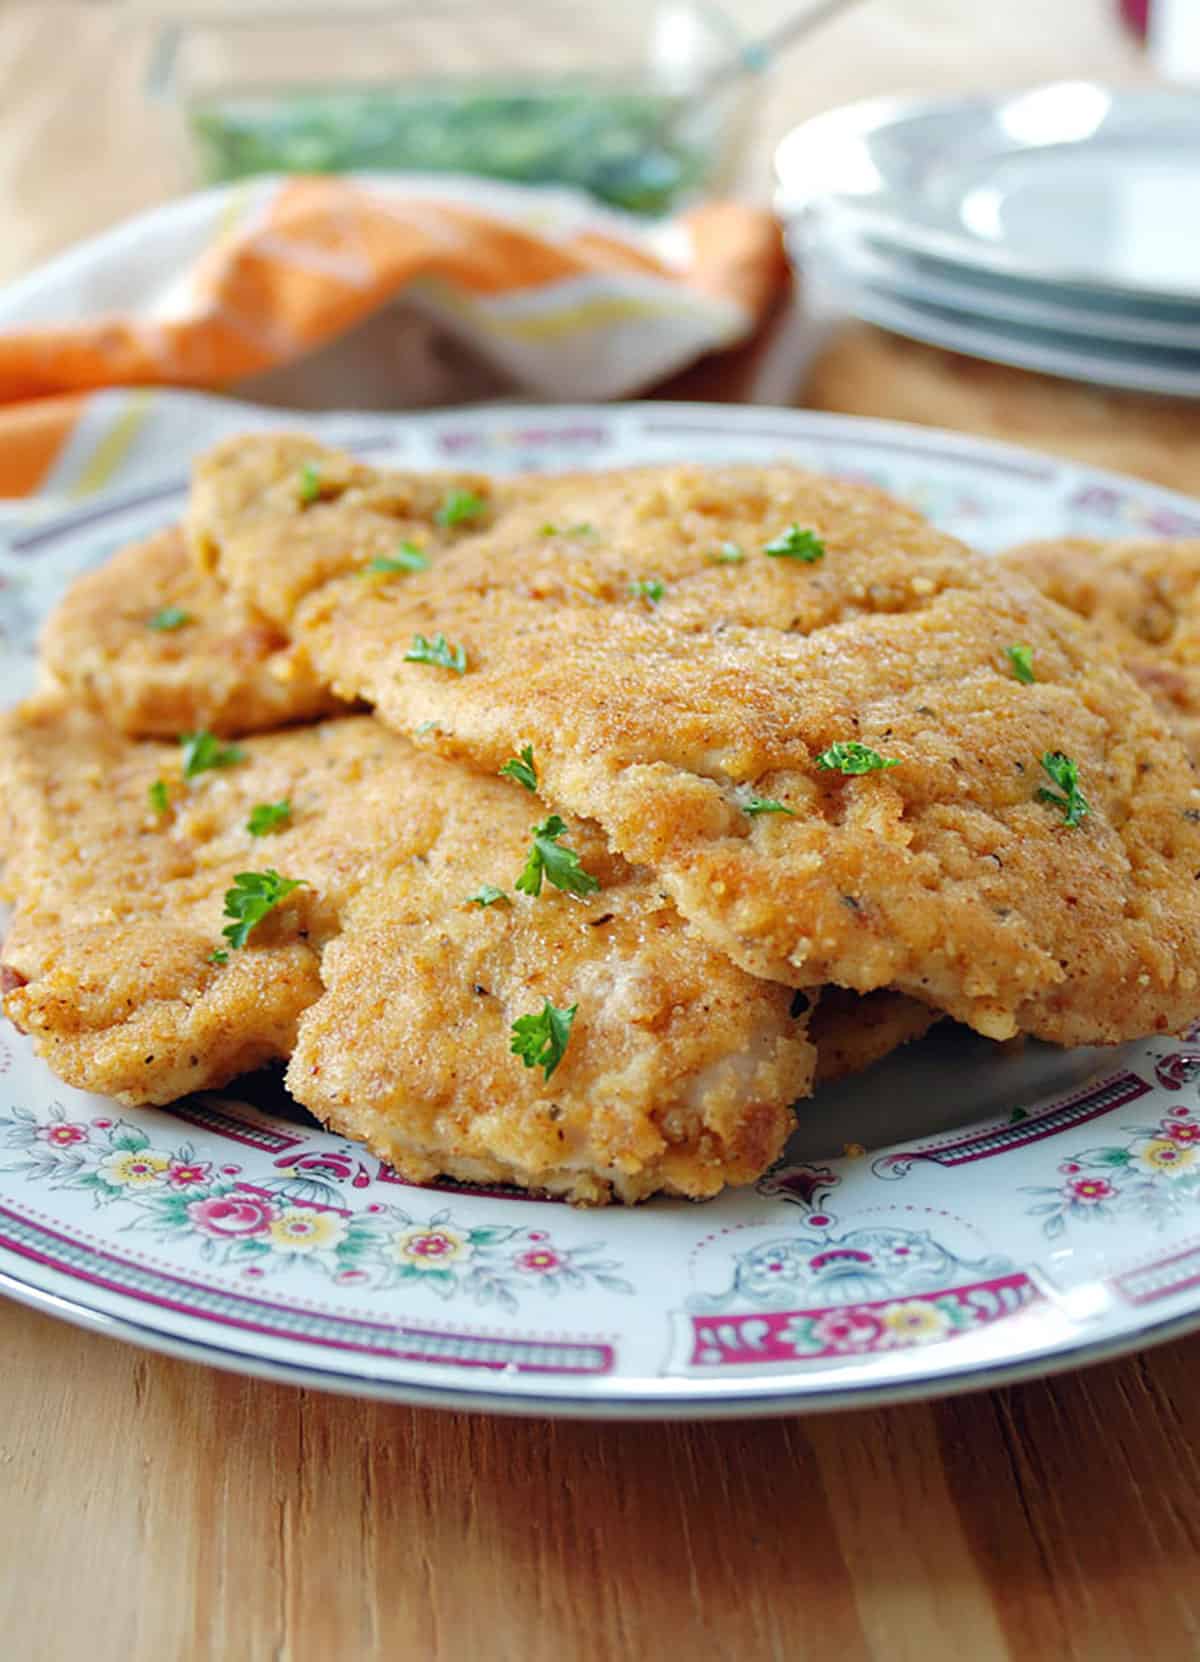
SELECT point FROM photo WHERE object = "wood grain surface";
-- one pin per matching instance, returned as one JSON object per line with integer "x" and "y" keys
{"x": 153, "y": 1510}
{"x": 157, "y": 1511}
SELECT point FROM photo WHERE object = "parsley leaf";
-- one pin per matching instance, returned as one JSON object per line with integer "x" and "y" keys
{"x": 583, "y": 529}
{"x": 425, "y": 727}
{"x": 266, "y": 816}
{"x": 168, "y": 618}
{"x": 408, "y": 557}
{"x": 729, "y": 554}
{"x": 204, "y": 751}
{"x": 522, "y": 769}
{"x": 461, "y": 508}
{"x": 437, "y": 651}
{"x": 309, "y": 485}
{"x": 766, "y": 805}
{"x": 487, "y": 894}
{"x": 853, "y": 757}
{"x": 159, "y": 800}
{"x": 795, "y": 544}
{"x": 218, "y": 955}
{"x": 1021, "y": 659}
{"x": 540, "y": 1040}
{"x": 560, "y": 865}
{"x": 254, "y": 894}
{"x": 649, "y": 589}
{"x": 1065, "y": 774}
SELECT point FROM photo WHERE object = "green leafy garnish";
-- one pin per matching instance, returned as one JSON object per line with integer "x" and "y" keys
{"x": 168, "y": 618}
{"x": 540, "y": 1040}
{"x": 309, "y": 487}
{"x": 461, "y": 508}
{"x": 159, "y": 800}
{"x": 766, "y": 805}
{"x": 1021, "y": 659}
{"x": 852, "y": 757}
{"x": 408, "y": 557}
{"x": 437, "y": 651}
{"x": 265, "y": 816}
{"x": 559, "y": 865}
{"x": 729, "y": 554}
{"x": 522, "y": 769}
{"x": 425, "y": 727}
{"x": 487, "y": 894}
{"x": 1065, "y": 774}
{"x": 204, "y": 751}
{"x": 649, "y": 589}
{"x": 218, "y": 955}
{"x": 254, "y": 894}
{"x": 796, "y": 544}
{"x": 583, "y": 529}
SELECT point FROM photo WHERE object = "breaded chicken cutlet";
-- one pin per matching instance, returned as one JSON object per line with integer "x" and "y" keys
{"x": 159, "y": 647}
{"x": 1144, "y": 598}
{"x": 794, "y": 700}
{"x": 397, "y": 992}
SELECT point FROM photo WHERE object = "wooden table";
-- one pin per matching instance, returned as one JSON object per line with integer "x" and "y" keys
{"x": 152, "y": 1510}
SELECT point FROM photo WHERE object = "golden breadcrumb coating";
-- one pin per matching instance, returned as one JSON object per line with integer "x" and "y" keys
{"x": 276, "y": 515}
{"x": 680, "y": 1071}
{"x": 223, "y": 668}
{"x": 1144, "y": 597}
{"x": 852, "y": 1032}
{"x": 667, "y": 669}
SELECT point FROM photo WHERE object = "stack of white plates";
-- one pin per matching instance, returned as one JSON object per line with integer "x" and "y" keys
{"x": 1057, "y": 229}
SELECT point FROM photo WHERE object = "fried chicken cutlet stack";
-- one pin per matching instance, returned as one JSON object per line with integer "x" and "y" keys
{"x": 673, "y": 788}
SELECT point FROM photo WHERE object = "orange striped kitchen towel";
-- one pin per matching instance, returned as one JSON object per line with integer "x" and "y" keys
{"x": 302, "y": 292}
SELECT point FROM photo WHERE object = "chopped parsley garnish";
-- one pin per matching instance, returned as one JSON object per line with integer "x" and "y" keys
{"x": 408, "y": 557}
{"x": 796, "y": 544}
{"x": 729, "y": 554}
{"x": 204, "y": 751}
{"x": 766, "y": 805}
{"x": 425, "y": 727}
{"x": 1065, "y": 774}
{"x": 168, "y": 618}
{"x": 583, "y": 529}
{"x": 254, "y": 894}
{"x": 309, "y": 486}
{"x": 218, "y": 955}
{"x": 649, "y": 589}
{"x": 461, "y": 508}
{"x": 852, "y": 757}
{"x": 559, "y": 865}
{"x": 522, "y": 768}
{"x": 540, "y": 1040}
{"x": 159, "y": 800}
{"x": 487, "y": 894}
{"x": 437, "y": 651}
{"x": 267, "y": 816}
{"x": 1021, "y": 659}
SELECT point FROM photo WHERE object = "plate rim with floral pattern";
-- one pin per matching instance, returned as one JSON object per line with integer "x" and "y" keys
{"x": 1044, "y": 1214}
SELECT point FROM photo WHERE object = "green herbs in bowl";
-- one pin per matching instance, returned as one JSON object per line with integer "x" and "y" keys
{"x": 617, "y": 145}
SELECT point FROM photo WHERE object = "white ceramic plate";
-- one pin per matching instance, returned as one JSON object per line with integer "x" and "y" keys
{"x": 838, "y": 291}
{"x": 1069, "y": 183}
{"x": 1005, "y": 1214}
{"x": 827, "y": 243}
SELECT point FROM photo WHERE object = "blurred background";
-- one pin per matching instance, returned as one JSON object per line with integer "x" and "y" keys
{"x": 1058, "y": 308}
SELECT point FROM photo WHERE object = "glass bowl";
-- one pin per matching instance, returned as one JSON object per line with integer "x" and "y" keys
{"x": 596, "y": 97}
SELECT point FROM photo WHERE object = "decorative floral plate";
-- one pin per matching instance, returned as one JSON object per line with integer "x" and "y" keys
{"x": 959, "y": 1216}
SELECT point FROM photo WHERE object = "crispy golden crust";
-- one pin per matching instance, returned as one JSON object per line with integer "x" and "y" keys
{"x": 249, "y": 523}
{"x": 852, "y": 1032}
{"x": 1145, "y": 598}
{"x": 681, "y": 1069}
{"x": 224, "y": 669}
{"x": 945, "y": 877}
